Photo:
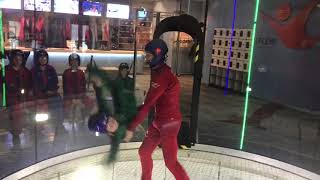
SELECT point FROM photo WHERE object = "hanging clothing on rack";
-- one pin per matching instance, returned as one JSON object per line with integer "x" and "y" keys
{"x": 14, "y": 29}
{"x": 74, "y": 32}
{"x": 57, "y": 34}
{"x": 32, "y": 25}
{"x": 105, "y": 30}
{"x": 40, "y": 23}
{"x": 22, "y": 24}
{"x": 40, "y": 30}
{"x": 74, "y": 29}
{"x": 87, "y": 36}
{"x": 68, "y": 29}
{"x": 94, "y": 33}
{"x": 28, "y": 28}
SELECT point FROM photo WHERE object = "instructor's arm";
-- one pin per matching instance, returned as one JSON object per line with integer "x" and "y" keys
{"x": 158, "y": 87}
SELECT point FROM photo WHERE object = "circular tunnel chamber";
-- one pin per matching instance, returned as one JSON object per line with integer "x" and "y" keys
{"x": 202, "y": 162}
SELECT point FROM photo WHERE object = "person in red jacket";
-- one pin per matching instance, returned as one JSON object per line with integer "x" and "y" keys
{"x": 45, "y": 88}
{"x": 45, "y": 78}
{"x": 164, "y": 96}
{"x": 74, "y": 88}
{"x": 18, "y": 81}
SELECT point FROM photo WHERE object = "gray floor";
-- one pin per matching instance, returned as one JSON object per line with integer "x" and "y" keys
{"x": 273, "y": 131}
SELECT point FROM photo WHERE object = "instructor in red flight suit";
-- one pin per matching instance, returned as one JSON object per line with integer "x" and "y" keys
{"x": 164, "y": 96}
{"x": 19, "y": 90}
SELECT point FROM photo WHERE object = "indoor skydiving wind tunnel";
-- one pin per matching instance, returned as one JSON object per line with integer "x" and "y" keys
{"x": 247, "y": 71}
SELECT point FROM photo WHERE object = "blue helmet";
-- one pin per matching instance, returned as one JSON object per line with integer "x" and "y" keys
{"x": 98, "y": 123}
{"x": 159, "y": 49}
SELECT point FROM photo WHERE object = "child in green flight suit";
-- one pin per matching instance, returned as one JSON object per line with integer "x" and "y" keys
{"x": 124, "y": 101}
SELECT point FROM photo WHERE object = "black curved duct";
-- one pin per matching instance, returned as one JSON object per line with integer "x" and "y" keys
{"x": 190, "y": 25}
{"x": 183, "y": 23}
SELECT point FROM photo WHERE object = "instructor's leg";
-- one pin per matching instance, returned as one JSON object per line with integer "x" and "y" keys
{"x": 170, "y": 150}
{"x": 149, "y": 144}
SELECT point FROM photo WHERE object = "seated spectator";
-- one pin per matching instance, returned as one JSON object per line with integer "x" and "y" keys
{"x": 18, "y": 82}
{"x": 74, "y": 89}
{"x": 45, "y": 87}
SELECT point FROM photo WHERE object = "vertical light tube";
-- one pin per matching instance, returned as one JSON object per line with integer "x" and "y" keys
{"x": 4, "y": 100}
{"x": 248, "y": 89}
{"x": 230, "y": 49}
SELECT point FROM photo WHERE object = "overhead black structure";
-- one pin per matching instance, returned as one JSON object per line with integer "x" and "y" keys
{"x": 190, "y": 25}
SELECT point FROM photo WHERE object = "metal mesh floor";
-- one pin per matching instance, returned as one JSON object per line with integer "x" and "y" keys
{"x": 199, "y": 165}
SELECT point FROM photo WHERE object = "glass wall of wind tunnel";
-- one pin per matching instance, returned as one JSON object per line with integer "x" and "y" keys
{"x": 282, "y": 120}
{"x": 225, "y": 70}
{"x": 39, "y": 119}
{"x": 181, "y": 61}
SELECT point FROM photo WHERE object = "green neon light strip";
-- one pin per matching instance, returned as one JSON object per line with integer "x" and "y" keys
{"x": 4, "y": 101}
{"x": 244, "y": 123}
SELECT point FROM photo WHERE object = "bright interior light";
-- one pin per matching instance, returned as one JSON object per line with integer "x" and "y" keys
{"x": 97, "y": 133}
{"x": 41, "y": 117}
{"x": 22, "y": 91}
{"x": 92, "y": 173}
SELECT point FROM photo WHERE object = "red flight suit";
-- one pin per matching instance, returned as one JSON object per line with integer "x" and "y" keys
{"x": 16, "y": 81}
{"x": 164, "y": 96}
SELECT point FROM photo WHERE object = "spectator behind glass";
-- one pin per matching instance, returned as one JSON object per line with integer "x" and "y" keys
{"x": 124, "y": 71}
{"x": 123, "y": 86}
{"x": 19, "y": 90}
{"x": 45, "y": 79}
{"x": 45, "y": 88}
{"x": 74, "y": 89}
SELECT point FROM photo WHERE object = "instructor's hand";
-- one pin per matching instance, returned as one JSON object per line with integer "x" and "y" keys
{"x": 129, "y": 135}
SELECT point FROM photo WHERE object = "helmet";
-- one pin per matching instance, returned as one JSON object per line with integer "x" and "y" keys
{"x": 17, "y": 52}
{"x": 40, "y": 53}
{"x": 159, "y": 49}
{"x": 98, "y": 123}
{"x": 123, "y": 66}
{"x": 74, "y": 56}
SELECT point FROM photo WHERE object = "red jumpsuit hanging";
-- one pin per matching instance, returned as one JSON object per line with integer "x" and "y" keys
{"x": 164, "y": 95}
